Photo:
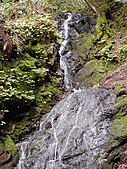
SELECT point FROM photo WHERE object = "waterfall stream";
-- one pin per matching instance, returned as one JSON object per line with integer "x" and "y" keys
{"x": 22, "y": 147}
{"x": 63, "y": 64}
{"x": 72, "y": 134}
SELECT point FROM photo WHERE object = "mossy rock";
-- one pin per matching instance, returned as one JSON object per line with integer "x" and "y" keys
{"x": 119, "y": 124}
{"x": 81, "y": 45}
{"x": 84, "y": 76}
{"x": 8, "y": 153}
{"x": 120, "y": 89}
{"x": 115, "y": 146}
{"x": 93, "y": 72}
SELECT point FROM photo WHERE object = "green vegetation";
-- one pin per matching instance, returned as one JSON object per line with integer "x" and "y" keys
{"x": 11, "y": 9}
{"x": 10, "y": 147}
{"x": 106, "y": 45}
{"x": 29, "y": 83}
{"x": 8, "y": 153}
{"x": 120, "y": 119}
{"x": 55, "y": 6}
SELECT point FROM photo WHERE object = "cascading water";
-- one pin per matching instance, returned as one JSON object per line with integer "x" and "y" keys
{"x": 22, "y": 147}
{"x": 63, "y": 64}
{"x": 72, "y": 134}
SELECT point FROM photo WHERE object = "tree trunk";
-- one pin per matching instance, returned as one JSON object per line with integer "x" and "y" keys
{"x": 101, "y": 8}
{"x": 94, "y": 6}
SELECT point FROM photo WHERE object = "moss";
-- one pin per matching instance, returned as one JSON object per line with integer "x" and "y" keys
{"x": 120, "y": 89}
{"x": 119, "y": 123}
{"x": 94, "y": 71}
{"x": 118, "y": 132}
{"x": 11, "y": 147}
{"x": 84, "y": 76}
{"x": 121, "y": 105}
{"x": 8, "y": 153}
{"x": 101, "y": 26}
{"x": 82, "y": 44}
{"x": 103, "y": 69}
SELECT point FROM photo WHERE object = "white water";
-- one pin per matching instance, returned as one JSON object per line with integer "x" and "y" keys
{"x": 63, "y": 64}
{"x": 22, "y": 147}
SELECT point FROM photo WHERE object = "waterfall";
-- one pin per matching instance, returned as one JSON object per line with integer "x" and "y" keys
{"x": 72, "y": 134}
{"x": 63, "y": 64}
{"x": 22, "y": 147}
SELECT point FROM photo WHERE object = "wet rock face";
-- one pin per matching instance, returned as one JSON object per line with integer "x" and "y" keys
{"x": 79, "y": 23}
{"x": 72, "y": 134}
